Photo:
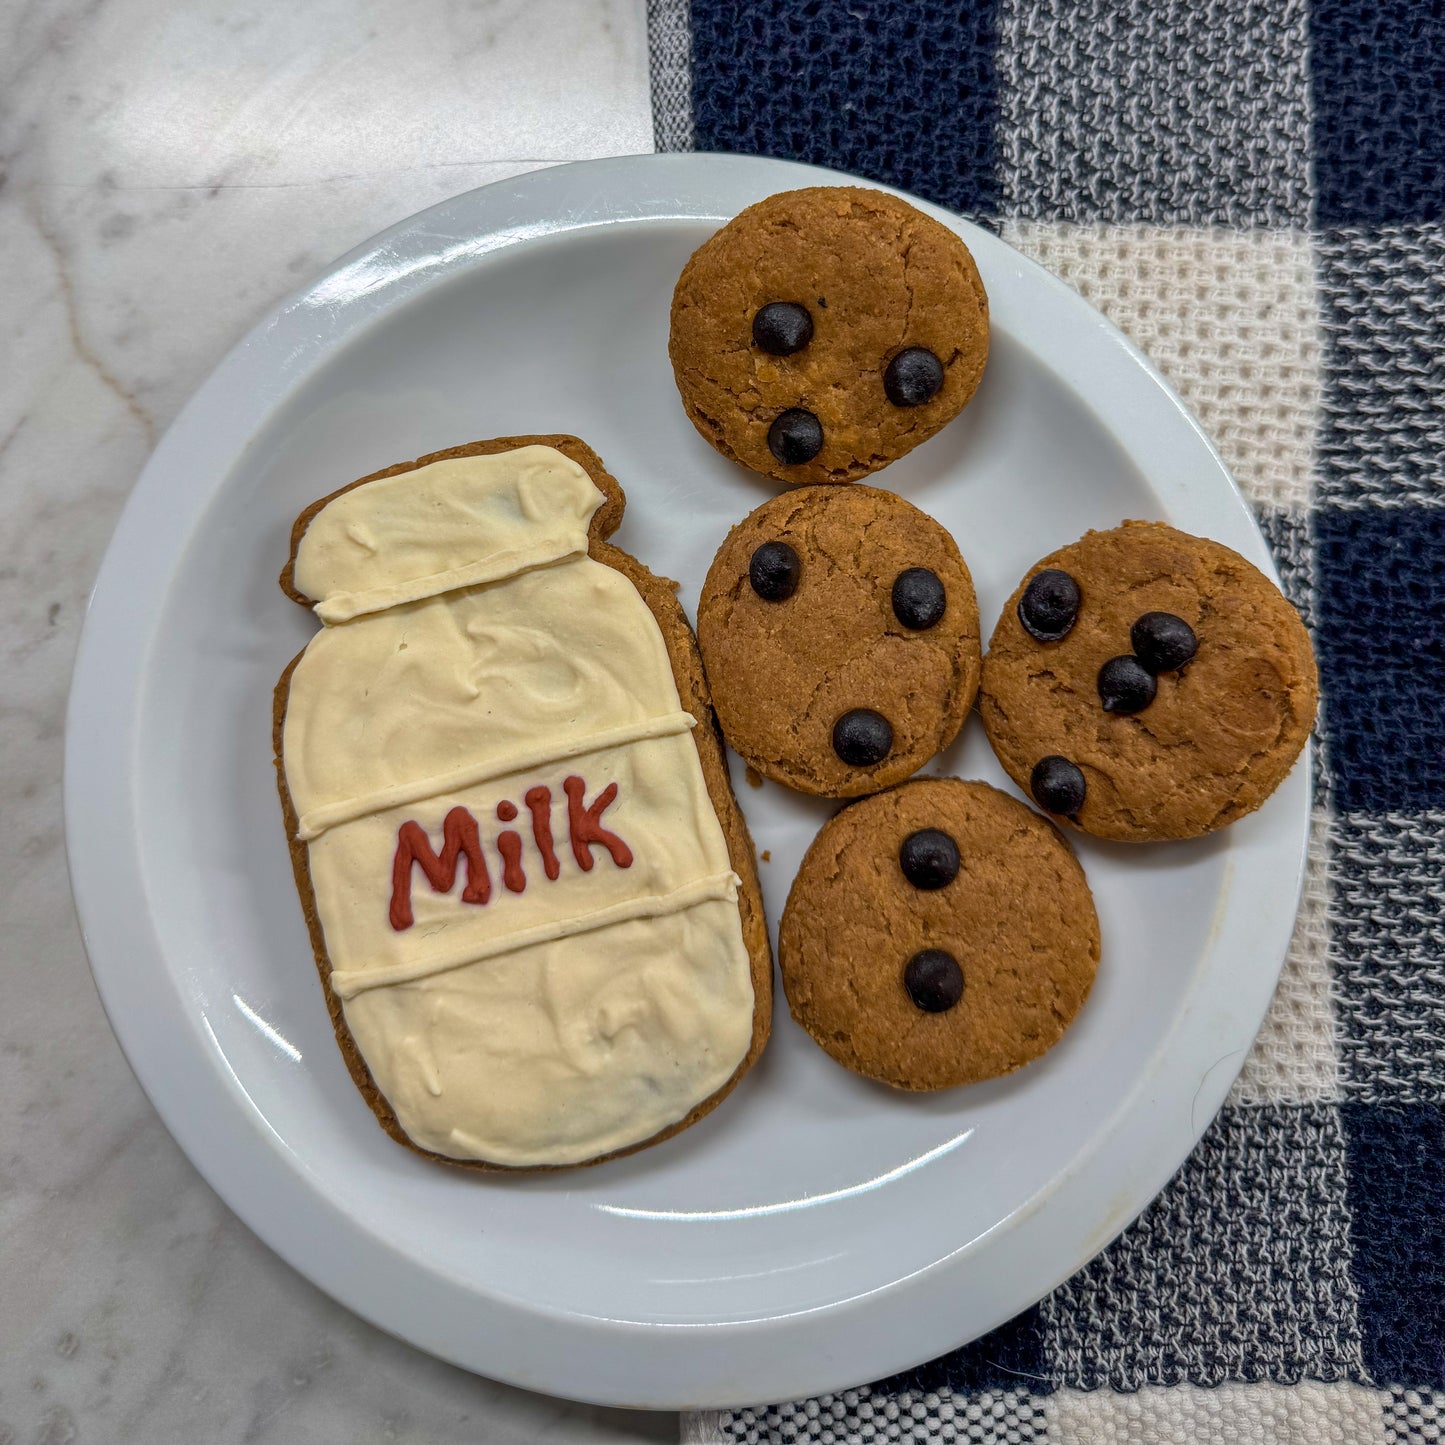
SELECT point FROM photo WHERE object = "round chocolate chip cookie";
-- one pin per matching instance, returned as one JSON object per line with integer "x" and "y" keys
{"x": 1144, "y": 684}
{"x": 938, "y": 934}
{"x": 824, "y": 333}
{"x": 840, "y": 636}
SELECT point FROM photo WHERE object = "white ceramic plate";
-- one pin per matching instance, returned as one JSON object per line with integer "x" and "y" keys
{"x": 816, "y": 1231}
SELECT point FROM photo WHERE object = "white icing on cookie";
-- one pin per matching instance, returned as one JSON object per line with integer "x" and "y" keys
{"x": 483, "y": 683}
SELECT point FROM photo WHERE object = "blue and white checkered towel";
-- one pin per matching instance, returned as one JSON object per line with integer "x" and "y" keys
{"x": 1255, "y": 191}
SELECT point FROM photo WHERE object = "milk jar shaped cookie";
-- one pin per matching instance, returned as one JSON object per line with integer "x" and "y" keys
{"x": 531, "y": 895}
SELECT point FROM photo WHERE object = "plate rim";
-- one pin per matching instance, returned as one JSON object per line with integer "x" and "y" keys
{"x": 659, "y": 1366}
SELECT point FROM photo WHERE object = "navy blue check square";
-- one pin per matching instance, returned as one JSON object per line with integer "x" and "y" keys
{"x": 1397, "y": 1211}
{"x": 1377, "y": 72}
{"x": 901, "y": 92}
{"x": 1380, "y": 641}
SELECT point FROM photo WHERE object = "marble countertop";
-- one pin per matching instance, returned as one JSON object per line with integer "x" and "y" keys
{"x": 168, "y": 170}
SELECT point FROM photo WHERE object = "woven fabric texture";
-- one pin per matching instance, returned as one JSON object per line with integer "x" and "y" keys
{"x": 1228, "y": 316}
{"x": 669, "y": 58}
{"x": 1170, "y": 112}
{"x": 1254, "y": 191}
{"x": 1383, "y": 443}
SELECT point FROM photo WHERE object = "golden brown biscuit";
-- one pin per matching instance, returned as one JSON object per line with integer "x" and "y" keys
{"x": 840, "y": 634}
{"x": 824, "y": 333}
{"x": 686, "y": 667}
{"x": 1161, "y": 688}
{"x": 938, "y": 934}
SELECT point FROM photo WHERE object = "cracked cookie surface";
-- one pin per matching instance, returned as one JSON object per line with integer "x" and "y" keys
{"x": 1219, "y": 734}
{"x": 875, "y": 278}
{"x": 785, "y": 670}
{"x": 1016, "y": 918}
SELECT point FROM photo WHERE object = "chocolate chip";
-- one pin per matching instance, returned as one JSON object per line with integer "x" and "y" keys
{"x": 774, "y": 571}
{"x": 934, "y": 980}
{"x": 1058, "y": 786}
{"x": 929, "y": 859}
{"x": 1050, "y": 605}
{"x": 1163, "y": 642}
{"x": 918, "y": 599}
{"x": 1125, "y": 685}
{"x": 913, "y": 377}
{"x": 862, "y": 737}
{"x": 782, "y": 327}
{"x": 796, "y": 436}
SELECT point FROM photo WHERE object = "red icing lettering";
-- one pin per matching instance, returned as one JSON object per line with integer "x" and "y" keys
{"x": 509, "y": 845}
{"x": 460, "y": 839}
{"x": 539, "y": 803}
{"x": 584, "y": 825}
